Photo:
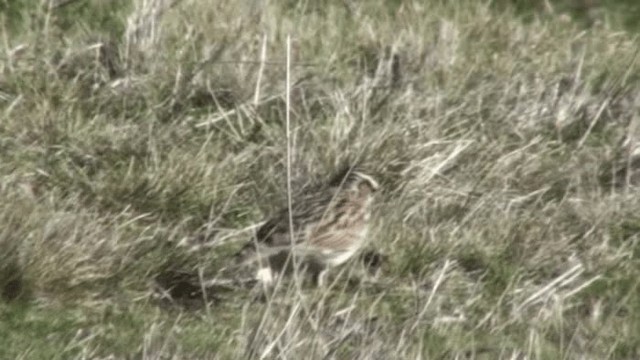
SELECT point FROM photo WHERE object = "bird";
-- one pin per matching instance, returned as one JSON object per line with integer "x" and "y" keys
{"x": 327, "y": 225}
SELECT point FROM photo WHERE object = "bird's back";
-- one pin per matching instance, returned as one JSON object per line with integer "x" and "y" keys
{"x": 330, "y": 217}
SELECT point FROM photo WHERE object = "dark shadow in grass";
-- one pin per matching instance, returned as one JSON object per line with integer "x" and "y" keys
{"x": 373, "y": 260}
{"x": 13, "y": 289}
{"x": 184, "y": 290}
{"x": 188, "y": 290}
{"x": 12, "y": 284}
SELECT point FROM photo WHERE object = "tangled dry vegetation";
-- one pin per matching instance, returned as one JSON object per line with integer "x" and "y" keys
{"x": 140, "y": 147}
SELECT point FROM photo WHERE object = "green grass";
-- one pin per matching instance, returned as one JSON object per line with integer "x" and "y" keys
{"x": 136, "y": 156}
{"x": 107, "y": 329}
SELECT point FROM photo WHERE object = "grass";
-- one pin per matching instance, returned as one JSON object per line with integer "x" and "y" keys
{"x": 139, "y": 150}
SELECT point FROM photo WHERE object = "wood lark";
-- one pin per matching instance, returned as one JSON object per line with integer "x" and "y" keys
{"x": 330, "y": 224}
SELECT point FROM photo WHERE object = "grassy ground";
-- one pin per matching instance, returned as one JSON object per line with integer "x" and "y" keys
{"x": 140, "y": 147}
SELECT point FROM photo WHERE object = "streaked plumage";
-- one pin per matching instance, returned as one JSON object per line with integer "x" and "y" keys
{"x": 330, "y": 224}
